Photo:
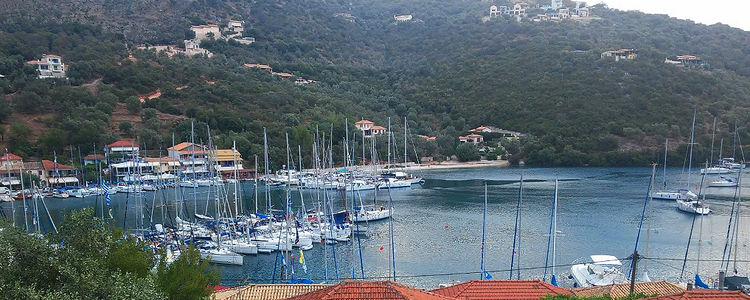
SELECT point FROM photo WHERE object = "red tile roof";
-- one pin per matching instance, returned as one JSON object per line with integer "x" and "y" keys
{"x": 379, "y": 290}
{"x": 94, "y": 157}
{"x": 705, "y": 294}
{"x": 205, "y": 26}
{"x": 364, "y": 122}
{"x": 501, "y": 289}
{"x": 123, "y": 143}
{"x": 376, "y": 127}
{"x": 623, "y": 290}
{"x": 10, "y": 156}
{"x": 180, "y": 146}
{"x": 50, "y": 166}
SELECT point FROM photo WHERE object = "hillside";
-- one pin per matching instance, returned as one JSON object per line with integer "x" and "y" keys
{"x": 447, "y": 71}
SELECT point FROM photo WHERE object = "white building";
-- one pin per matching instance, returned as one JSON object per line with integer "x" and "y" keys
{"x": 49, "y": 66}
{"x": 555, "y": 4}
{"x": 205, "y": 32}
{"x": 121, "y": 151}
{"x": 498, "y": 10}
{"x": 193, "y": 47}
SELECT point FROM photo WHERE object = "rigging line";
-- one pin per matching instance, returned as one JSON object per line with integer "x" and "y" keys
{"x": 643, "y": 214}
{"x": 692, "y": 227}
{"x": 515, "y": 230}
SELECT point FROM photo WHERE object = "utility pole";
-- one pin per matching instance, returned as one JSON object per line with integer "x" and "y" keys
{"x": 632, "y": 274}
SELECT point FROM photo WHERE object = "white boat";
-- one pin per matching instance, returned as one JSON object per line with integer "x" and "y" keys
{"x": 723, "y": 182}
{"x": 394, "y": 183}
{"x": 681, "y": 194}
{"x": 693, "y": 207}
{"x": 241, "y": 247}
{"x": 61, "y": 195}
{"x": 731, "y": 164}
{"x": 188, "y": 183}
{"x": 604, "y": 270}
{"x": 78, "y": 193}
{"x": 715, "y": 170}
{"x": 221, "y": 256}
{"x": 360, "y": 185}
{"x": 372, "y": 213}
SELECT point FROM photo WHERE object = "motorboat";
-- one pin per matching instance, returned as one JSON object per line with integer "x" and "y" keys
{"x": 603, "y": 270}
{"x": 693, "y": 207}
{"x": 715, "y": 170}
{"x": 360, "y": 185}
{"x": 394, "y": 183}
{"x": 730, "y": 163}
{"x": 723, "y": 182}
{"x": 682, "y": 194}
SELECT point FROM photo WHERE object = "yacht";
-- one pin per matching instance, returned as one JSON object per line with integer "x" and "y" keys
{"x": 715, "y": 170}
{"x": 218, "y": 255}
{"x": 693, "y": 207}
{"x": 372, "y": 213}
{"x": 681, "y": 194}
{"x": 723, "y": 182}
{"x": 603, "y": 270}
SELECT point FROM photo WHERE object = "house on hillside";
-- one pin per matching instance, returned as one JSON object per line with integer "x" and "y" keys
{"x": 58, "y": 175}
{"x": 498, "y": 10}
{"x": 121, "y": 151}
{"x": 427, "y": 138}
{"x": 264, "y": 68}
{"x": 193, "y": 47}
{"x": 49, "y": 66}
{"x": 205, "y": 32}
{"x": 369, "y": 129}
{"x": 126, "y": 171}
{"x": 684, "y": 60}
{"x": 628, "y": 54}
{"x": 234, "y": 29}
{"x": 503, "y": 132}
{"x": 475, "y": 139}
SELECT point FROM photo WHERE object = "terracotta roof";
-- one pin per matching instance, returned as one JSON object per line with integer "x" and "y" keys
{"x": 52, "y": 55}
{"x": 364, "y": 122}
{"x": 501, "y": 289}
{"x": 286, "y": 74}
{"x": 180, "y": 146}
{"x": 160, "y": 159}
{"x": 380, "y": 290}
{"x": 378, "y": 127}
{"x": 122, "y": 143}
{"x": 267, "y": 291}
{"x": 93, "y": 156}
{"x": 10, "y": 156}
{"x": 658, "y": 288}
{"x": 257, "y": 66}
{"x": 192, "y": 152}
{"x": 705, "y": 294}
{"x": 204, "y": 26}
{"x": 50, "y": 166}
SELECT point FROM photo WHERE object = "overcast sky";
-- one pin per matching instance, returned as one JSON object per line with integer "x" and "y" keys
{"x": 734, "y": 13}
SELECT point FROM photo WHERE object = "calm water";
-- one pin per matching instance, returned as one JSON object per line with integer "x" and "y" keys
{"x": 437, "y": 226}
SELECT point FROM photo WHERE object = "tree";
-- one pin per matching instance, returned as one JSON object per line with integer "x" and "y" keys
{"x": 188, "y": 277}
{"x": 126, "y": 128}
{"x": 28, "y": 102}
{"x": 18, "y": 138}
{"x": 467, "y": 152}
{"x": 133, "y": 104}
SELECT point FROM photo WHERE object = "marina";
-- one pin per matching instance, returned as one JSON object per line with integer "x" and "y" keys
{"x": 437, "y": 226}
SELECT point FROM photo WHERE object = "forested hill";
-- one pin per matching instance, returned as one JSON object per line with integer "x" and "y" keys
{"x": 447, "y": 70}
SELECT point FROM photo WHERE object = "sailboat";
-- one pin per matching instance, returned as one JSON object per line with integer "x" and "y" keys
{"x": 694, "y": 206}
{"x": 681, "y": 194}
{"x": 723, "y": 182}
{"x": 552, "y": 240}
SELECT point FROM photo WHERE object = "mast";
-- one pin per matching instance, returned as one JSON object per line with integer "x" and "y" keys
{"x": 192, "y": 158}
{"x": 10, "y": 186}
{"x": 516, "y": 237}
{"x": 713, "y": 136}
{"x": 554, "y": 236}
{"x": 664, "y": 175}
{"x": 255, "y": 183}
{"x": 234, "y": 166}
{"x": 404, "y": 143}
{"x": 388, "y": 165}
{"x": 690, "y": 156}
{"x": 265, "y": 171}
{"x": 484, "y": 225}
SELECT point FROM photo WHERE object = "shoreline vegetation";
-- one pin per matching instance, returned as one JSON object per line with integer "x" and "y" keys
{"x": 460, "y": 165}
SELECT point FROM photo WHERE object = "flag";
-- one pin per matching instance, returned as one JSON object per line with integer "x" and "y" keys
{"x": 108, "y": 201}
{"x": 488, "y": 276}
{"x": 283, "y": 261}
{"x": 302, "y": 261}
{"x": 554, "y": 280}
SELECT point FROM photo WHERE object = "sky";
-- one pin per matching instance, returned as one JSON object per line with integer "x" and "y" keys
{"x": 731, "y": 12}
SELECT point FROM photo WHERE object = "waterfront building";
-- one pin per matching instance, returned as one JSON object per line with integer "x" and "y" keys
{"x": 121, "y": 151}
